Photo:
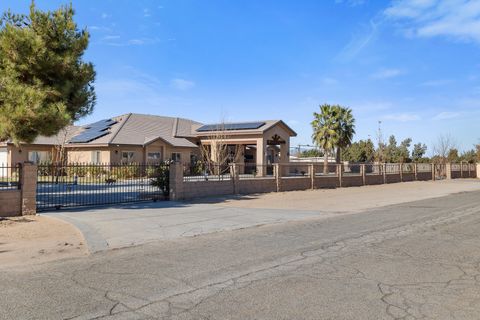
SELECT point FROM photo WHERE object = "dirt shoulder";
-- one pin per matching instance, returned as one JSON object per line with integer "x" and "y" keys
{"x": 355, "y": 199}
{"x": 35, "y": 239}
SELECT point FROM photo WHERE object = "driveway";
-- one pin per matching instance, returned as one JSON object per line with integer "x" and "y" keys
{"x": 130, "y": 225}
{"x": 417, "y": 260}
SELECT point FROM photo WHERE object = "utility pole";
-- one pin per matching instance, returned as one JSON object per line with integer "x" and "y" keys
{"x": 381, "y": 145}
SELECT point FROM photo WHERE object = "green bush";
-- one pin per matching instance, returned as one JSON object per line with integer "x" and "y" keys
{"x": 127, "y": 171}
{"x": 161, "y": 178}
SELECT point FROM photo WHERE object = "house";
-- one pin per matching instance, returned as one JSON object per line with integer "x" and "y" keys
{"x": 140, "y": 138}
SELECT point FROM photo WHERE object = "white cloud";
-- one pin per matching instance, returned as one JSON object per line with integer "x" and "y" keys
{"x": 402, "y": 117}
{"x": 387, "y": 73}
{"x": 329, "y": 81}
{"x": 182, "y": 84}
{"x": 352, "y": 3}
{"x": 146, "y": 13}
{"x": 455, "y": 19}
{"x": 373, "y": 106}
{"x": 105, "y": 15}
{"x": 114, "y": 41}
{"x": 446, "y": 115}
{"x": 436, "y": 83}
{"x": 359, "y": 41}
{"x": 111, "y": 37}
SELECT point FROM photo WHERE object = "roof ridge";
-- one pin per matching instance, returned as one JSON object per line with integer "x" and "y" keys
{"x": 250, "y": 121}
{"x": 175, "y": 127}
{"x": 120, "y": 128}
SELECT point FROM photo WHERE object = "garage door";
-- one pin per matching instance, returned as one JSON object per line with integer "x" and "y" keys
{"x": 3, "y": 162}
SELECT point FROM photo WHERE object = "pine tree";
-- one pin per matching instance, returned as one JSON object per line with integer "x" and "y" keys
{"x": 44, "y": 83}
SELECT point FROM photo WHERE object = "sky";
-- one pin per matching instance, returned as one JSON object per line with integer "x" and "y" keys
{"x": 408, "y": 66}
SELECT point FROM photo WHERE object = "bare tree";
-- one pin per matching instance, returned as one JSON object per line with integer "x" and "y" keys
{"x": 442, "y": 147}
{"x": 441, "y": 150}
{"x": 62, "y": 140}
{"x": 216, "y": 153}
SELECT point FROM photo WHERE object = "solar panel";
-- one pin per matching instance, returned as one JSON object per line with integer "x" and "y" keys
{"x": 231, "y": 126}
{"x": 93, "y": 131}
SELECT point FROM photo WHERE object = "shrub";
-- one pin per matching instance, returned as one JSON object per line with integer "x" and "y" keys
{"x": 161, "y": 178}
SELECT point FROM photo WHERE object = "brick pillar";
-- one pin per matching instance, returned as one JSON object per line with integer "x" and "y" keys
{"x": 364, "y": 174}
{"x": 176, "y": 181}
{"x": 28, "y": 182}
{"x": 461, "y": 169}
{"x": 415, "y": 171}
{"x": 235, "y": 176}
{"x": 433, "y": 172}
{"x": 278, "y": 175}
{"x": 311, "y": 171}
{"x": 401, "y": 172}
{"x": 477, "y": 174}
{"x": 448, "y": 169}
{"x": 340, "y": 174}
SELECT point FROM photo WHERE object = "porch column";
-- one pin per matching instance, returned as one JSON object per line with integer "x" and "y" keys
{"x": 240, "y": 159}
{"x": 261, "y": 161}
{"x": 285, "y": 151}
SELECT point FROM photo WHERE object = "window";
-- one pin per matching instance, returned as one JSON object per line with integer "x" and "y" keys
{"x": 193, "y": 159}
{"x": 96, "y": 157}
{"x": 39, "y": 156}
{"x": 154, "y": 157}
{"x": 176, "y": 156}
{"x": 127, "y": 156}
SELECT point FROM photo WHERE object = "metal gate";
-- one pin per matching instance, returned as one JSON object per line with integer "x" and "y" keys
{"x": 440, "y": 171}
{"x": 77, "y": 185}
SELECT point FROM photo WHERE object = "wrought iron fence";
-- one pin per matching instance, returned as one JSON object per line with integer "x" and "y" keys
{"x": 295, "y": 169}
{"x": 392, "y": 168}
{"x": 248, "y": 171}
{"x": 408, "y": 167}
{"x": 9, "y": 177}
{"x": 456, "y": 167}
{"x": 328, "y": 170}
{"x": 352, "y": 169}
{"x": 201, "y": 171}
{"x": 373, "y": 169}
{"x": 424, "y": 167}
{"x": 85, "y": 184}
{"x": 440, "y": 171}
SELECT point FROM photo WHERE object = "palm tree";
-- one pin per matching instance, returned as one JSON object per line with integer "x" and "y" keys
{"x": 333, "y": 128}
{"x": 346, "y": 130}
{"x": 325, "y": 131}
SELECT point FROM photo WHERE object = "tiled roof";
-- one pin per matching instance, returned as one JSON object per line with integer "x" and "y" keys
{"x": 266, "y": 124}
{"x": 141, "y": 129}
{"x": 137, "y": 128}
{"x": 61, "y": 137}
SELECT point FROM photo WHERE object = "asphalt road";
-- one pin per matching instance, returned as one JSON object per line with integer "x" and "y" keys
{"x": 418, "y": 260}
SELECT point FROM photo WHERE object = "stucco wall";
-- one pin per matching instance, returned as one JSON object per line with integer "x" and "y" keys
{"x": 20, "y": 154}
{"x": 85, "y": 155}
{"x": 185, "y": 153}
